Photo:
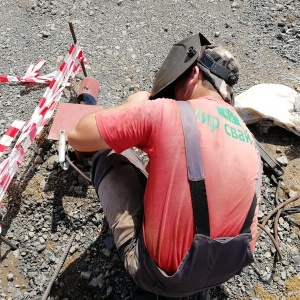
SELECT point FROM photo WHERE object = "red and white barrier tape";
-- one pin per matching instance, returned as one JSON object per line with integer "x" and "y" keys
{"x": 40, "y": 117}
{"x": 31, "y": 75}
{"x": 10, "y": 134}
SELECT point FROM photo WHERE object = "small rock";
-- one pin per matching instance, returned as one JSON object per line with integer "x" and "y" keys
{"x": 32, "y": 275}
{"x": 283, "y": 275}
{"x": 52, "y": 162}
{"x": 86, "y": 275}
{"x": 31, "y": 234}
{"x": 282, "y": 160}
{"x": 94, "y": 282}
{"x": 235, "y": 4}
{"x": 280, "y": 7}
{"x": 17, "y": 295}
{"x": 40, "y": 248}
{"x": 41, "y": 240}
{"x": 281, "y": 24}
{"x": 296, "y": 259}
{"x": 267, "y": 254}
{"x": 109, "y": 291}
{"x": 292, "y": 193}
{"x": 285, "y": 262}
{"x": 109, "y": 242}
{"x": 78, "y": 190}
{"x": 38, "y": 160}
{"x": 100, "y": 280}
{"x": 281, "y": 282}
{"x": 260, "y": 214}
{"x": 72, "y": 249}
{"x": 106, "y": 252}
{"x": 10, "y": 277}
{"x": 45, "y": 34}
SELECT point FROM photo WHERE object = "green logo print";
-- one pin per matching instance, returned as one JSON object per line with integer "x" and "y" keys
{"x": 228, "y": 115}
{"x": 211, "y": 121}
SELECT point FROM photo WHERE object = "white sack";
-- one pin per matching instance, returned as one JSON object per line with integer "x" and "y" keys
{"x": 276, "y": 103}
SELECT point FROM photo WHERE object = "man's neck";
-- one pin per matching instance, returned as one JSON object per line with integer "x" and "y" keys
{"x": 205, "y": 92}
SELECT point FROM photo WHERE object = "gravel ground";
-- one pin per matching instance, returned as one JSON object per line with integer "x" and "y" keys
{"x": 124, "y": 42}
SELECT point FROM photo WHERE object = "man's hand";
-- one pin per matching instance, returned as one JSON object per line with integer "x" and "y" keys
{"x": 139, "y": 96}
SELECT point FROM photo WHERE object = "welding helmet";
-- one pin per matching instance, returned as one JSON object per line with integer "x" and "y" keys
{"x": 181, "y": 56}
{"x": 218, "y": 64}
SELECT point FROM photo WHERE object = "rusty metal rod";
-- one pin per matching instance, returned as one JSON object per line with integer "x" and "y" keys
{"x": 75, "y": 41}
{"x": 7, "y": 242}
{"x": 58, "y": 267}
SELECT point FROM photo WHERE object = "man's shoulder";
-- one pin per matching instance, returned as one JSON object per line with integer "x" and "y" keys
{"x": 161, "y": 104}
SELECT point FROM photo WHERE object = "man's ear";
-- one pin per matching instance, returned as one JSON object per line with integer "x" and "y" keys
{"x": 194, "y": 77}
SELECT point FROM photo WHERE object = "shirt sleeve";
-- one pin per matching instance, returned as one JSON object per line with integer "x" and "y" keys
{"x": 129, "y": 127}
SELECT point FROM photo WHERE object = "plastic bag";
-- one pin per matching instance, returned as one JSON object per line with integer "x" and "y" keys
{"x": 269, "y": 104}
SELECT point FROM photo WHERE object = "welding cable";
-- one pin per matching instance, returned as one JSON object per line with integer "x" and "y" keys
{"x": 76, "y": 169}
{"x": 276, "y": 245}
{"x": 275, "y": 229}
{"x": 271, "y": 213}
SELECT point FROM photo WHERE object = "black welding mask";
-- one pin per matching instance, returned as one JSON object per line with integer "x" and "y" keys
{"x": 182, "y": 56}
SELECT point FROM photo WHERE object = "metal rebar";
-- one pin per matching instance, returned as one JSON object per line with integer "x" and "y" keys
{"x": 7, "y": 242}
{"x": 75, "y": 41}
{"x": 58, "y": 267}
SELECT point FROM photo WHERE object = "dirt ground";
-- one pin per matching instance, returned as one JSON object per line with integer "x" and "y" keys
{"x": 281, "y": 142}
{"x": 278, "y": 142}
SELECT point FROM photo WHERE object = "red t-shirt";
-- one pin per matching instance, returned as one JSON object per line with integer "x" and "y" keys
{"x": 230, "y": 161}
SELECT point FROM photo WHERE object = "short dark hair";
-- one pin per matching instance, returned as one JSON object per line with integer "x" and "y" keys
{"x": 207, "y": 83}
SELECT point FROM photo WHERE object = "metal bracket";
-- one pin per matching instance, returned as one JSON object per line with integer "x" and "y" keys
{"x": 62, "y": 150}
{"x": 270, "y": 163}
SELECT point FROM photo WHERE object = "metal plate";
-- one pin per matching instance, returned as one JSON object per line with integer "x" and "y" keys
{"x": 66, "y": 117}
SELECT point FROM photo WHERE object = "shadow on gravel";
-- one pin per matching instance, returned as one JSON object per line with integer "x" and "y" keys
{"x": 98, "y": 273}
{"x": 29, "y": 87}
{"x": 14, "y": 195}
{"x": 279, "y": 137}
{"x": 64, "y": 185}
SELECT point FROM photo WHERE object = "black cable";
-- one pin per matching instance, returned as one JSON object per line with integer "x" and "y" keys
{"x": 279, "y": 180}
{"x": 291, "y": 210}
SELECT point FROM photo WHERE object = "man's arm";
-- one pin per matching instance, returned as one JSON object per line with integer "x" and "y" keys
{"x": 85, "y": 137}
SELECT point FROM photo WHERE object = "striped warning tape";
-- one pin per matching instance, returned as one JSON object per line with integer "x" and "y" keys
{"x": 31, "y": 75}
{"x": 10, "y": 134}
{"x": 40, "y": 117}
